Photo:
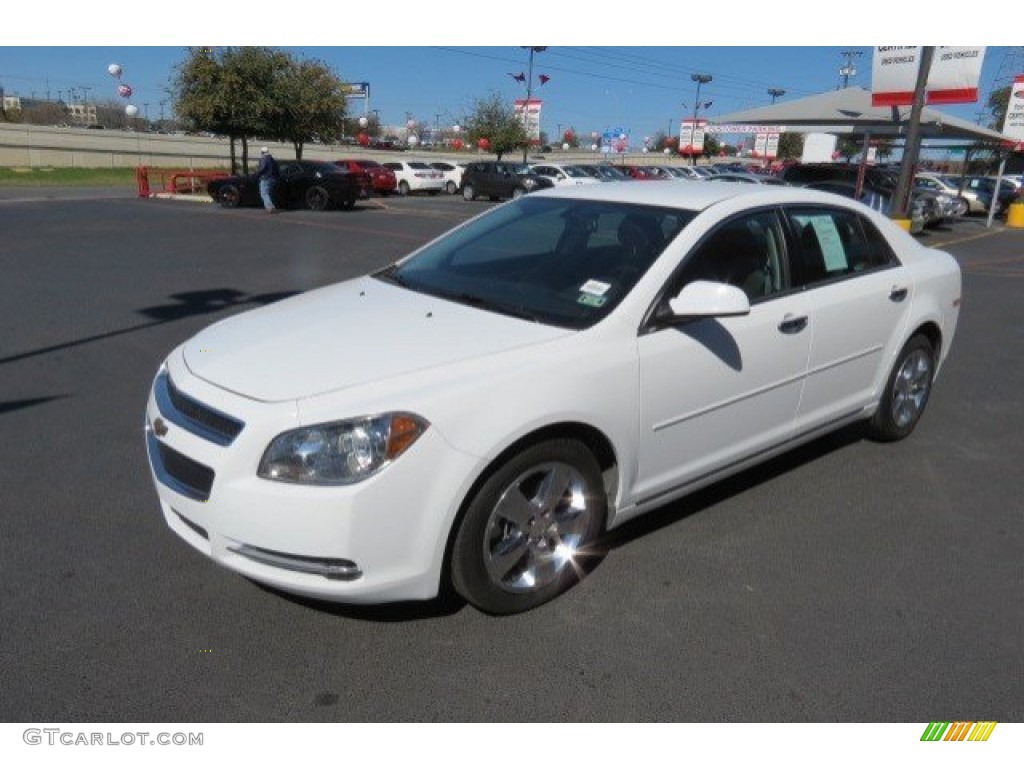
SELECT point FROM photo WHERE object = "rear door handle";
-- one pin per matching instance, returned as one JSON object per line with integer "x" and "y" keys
{"x": 897, "y": 293}
{"x": 793, "y": 324}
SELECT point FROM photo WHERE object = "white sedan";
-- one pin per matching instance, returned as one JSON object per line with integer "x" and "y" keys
{"x": 477, "y": 414}
{"x": 416, "y": 176}
{"x": 564, "y": 175}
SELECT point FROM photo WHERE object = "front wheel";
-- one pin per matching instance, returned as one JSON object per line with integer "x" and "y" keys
{"x": 229, "y": 196}
{"x": 528, "y": 528}
{"x": 468, "y": 193}
{"x": 906, "y": 392}
{"x": 518, "y": 192}
{"x": 317, "y": 199}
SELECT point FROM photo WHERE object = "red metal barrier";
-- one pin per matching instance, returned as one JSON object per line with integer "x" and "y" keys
{"x": 175, "y": 181}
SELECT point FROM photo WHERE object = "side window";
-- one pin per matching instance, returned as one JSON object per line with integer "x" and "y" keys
{"x": 835, "y": 243}
{"x": 748, "y": 252}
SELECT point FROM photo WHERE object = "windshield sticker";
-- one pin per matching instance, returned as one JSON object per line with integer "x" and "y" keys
{"x": 595, "y": 288}
{"x": 590, "y": 300}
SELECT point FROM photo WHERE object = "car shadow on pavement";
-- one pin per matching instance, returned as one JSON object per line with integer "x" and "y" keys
{"x": 446, "y": 604}
{"x": 699, "y": 501}
{"x": 188, "y": 304}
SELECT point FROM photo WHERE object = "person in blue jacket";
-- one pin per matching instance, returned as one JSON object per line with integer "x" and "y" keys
{"x": 267, "y": 173}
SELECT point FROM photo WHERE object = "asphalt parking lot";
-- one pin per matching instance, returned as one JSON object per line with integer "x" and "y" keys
{"x": 846, "y": 581}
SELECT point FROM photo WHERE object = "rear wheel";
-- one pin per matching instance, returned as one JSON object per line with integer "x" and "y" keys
{"x": 451, "y": 188}
{"x": 906, "y": 391}
{"x": 528, "y": 527}
{"x": 229, "y": 196}
{"x": 403, "y": 188}
{"x": 317, "y": 199}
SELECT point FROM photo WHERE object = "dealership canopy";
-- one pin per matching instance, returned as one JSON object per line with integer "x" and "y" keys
{"x": 849, "y": 111}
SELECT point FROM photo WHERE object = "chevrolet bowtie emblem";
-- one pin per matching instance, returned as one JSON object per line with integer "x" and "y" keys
{"x": 159, "y": 427}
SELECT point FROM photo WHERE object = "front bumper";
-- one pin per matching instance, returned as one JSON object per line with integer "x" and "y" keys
{"x": 378, "y": 540}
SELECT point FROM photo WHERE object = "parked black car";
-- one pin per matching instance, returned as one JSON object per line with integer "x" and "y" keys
{"x": 500, "y": 180}
{"x": 303, "y": 184}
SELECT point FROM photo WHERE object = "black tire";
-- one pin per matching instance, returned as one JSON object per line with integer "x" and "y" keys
{"x": 527, "y": 528}
{"x": 229, "y": 196}
{"x": 451, "y": 188}
{"x": 906, "y": 392}
{"x": 317, "y": 199}
{"x": 468, "y": 193}
{"x": 403, "y": 188}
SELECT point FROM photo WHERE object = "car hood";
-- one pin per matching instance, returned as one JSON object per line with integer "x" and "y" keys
{"x": 358, "y": 332}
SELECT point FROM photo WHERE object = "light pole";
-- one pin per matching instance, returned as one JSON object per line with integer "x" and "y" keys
{"x": 529, "y": 92}
{"x": 847, "y": 70}
{"x": 775, "y": 93}
{"x": 699, "y": 79}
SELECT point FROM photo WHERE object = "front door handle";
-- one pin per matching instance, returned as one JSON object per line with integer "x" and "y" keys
{"x": 898, "y": 293}
{"x": 793, "y": 324}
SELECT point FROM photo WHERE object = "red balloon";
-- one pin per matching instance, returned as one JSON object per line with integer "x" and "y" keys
{"x": 124, "y": 90}
{"x": 484, "y": 144}
{"x": 457, "y": 144}
{"x": 569, "y": 135}
{"x": 363, "y": 139}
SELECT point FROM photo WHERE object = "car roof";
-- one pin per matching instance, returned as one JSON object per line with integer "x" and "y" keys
{"x": 689, "y": 196}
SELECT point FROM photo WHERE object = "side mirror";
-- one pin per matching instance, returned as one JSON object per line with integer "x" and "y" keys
{"x": 703, "y": 298}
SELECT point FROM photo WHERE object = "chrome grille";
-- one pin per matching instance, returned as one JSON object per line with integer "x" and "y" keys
{"x": 192, "y": 416}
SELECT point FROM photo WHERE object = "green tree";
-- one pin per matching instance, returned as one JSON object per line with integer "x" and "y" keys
{"x": 998, "y": 102}
{"x": 309, "y": 104}
{"x": 791, "y": 146}
{"x": 848, "y": 148}
{"x": 493, "y": 119}
{"x": 712, "y": 145}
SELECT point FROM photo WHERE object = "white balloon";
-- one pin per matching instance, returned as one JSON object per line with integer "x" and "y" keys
{"x": 413, "y": 141}
{"x": 363, "y": 122}
{"x": 131, "y": 110}
{"x": 456, "y": 128}
{"x": 114, "y": 70}
{"x": 593, "y": 147}
{"x": 565, "y": 145}
{"x": 646, "y": 150}
{"x": 668, "y": 151}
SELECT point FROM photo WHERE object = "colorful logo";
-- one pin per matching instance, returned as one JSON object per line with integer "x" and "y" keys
{"x": 959, "y": 731}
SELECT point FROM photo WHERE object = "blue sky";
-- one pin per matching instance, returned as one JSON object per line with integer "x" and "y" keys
{"x": 605, "y": 75}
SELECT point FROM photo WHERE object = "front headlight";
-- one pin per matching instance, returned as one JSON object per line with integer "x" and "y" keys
{"x": 341, "y": 452}
{"x": 529, "y": 183}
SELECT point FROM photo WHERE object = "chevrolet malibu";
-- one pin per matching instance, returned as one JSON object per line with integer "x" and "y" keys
{"x": 476, "y": 415}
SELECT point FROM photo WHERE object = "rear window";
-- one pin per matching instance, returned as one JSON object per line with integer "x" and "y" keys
{"x": 420, "y": 166}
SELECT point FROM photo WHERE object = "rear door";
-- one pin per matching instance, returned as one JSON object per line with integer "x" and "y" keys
{"x": 858, "y": 295}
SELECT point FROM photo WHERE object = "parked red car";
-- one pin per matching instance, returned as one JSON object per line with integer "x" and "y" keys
{"x": 382, "y": 179}
{"x": 639, "y": 173}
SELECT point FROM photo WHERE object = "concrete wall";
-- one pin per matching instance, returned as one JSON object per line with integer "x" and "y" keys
{"x": 35, "y": 146}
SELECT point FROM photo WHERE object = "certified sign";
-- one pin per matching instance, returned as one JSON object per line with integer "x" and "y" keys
{"x": 953, "y": 78}
{"x": 1013, "y": 125}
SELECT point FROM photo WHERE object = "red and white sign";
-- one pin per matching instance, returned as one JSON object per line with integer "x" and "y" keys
{"x": 766, "y": 145}
{"x": 531, "y": 108}
{"x": 953, "y": 78}
{"x": 1013, "y": 125}
{"x": 691, "y": 137}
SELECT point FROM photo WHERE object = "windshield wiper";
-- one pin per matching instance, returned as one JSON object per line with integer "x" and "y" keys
{"x": 390, "y": 274}
{"x": 481, "y": 303}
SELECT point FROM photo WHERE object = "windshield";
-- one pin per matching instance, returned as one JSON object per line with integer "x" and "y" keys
{"x": 559, "y": 261}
